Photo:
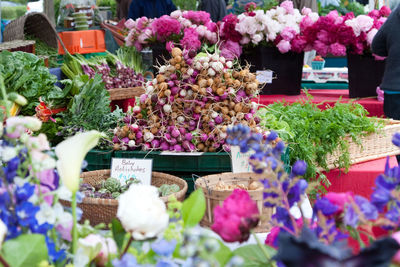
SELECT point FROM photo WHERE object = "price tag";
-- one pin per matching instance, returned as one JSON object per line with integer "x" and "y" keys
{"x": 240, "y": 161}
{"x": 125, "y": 169}
{"x": 264, "y": 76}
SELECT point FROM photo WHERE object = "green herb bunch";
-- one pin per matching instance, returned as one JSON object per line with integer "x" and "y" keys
{"x": 312, "y": 133}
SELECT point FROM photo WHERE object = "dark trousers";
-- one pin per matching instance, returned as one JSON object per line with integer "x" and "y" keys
{"x": 391, "y": 108}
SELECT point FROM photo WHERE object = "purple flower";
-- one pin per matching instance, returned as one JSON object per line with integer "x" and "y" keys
{"x": 351, "y": 217}
{"x": 166, "y": 263}
{"x": 296, "y": 191}
{"x": 370, "y": 212}
{"x": 283, "y": 217}
{"x": 272, "y": 136}
{"x": 299, "y": 168}
{"x": 380, "y": 197}
{"x": 128, "y": 260}
{"x": 163, "y": 247}
{"x": 385, "y": 182}
{"x": 325, "y": 206}
{"x": 396, "y": 139}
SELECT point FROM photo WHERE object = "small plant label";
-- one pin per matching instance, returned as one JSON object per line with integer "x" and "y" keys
{"x": 240, "y": 161}
{"x": 264, "y": 76}
{"x": 126, "y": 169}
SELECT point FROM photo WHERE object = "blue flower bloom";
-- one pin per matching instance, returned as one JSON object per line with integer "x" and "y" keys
{"x": 351, "y": 217}
{"x": 26, "y": 213}
{"x": 41, "y": 229}
{"x": 10, "y": 174}
{"x": 166, "y": 263}
{"x": 128, "y": 260}
{"x": 396, "y": 139}
{"x": 385, "y": 182}
{"x": 55, "y": 256}
{"x": 296, "y": 191}
{"x": 13, "y": 164}
{"x": 299, "y": 168}
{"x": 272, "y": 162}
{"x": 283, "y": 217}
{"x": 163, "y": 247}
{"x": 272, "y": 136}
{"x": 370, "y": 212}
{"x": 380, "y": 197}
{"x": 325, "y": 206}
{"x": 24, "y": 193}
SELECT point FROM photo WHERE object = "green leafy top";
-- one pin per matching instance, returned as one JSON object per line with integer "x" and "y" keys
{"x": 312, "y": 133}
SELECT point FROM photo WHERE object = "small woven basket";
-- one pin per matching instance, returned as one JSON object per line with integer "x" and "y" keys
{"x": 125, "y": 93}
{"x": 373, "y": 146}
{"x": 98, "y": 210}
{"x": 36, "y": 24}
{"x": 216, "y": 197}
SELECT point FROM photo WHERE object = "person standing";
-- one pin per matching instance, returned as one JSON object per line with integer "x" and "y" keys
{"x": 150, "y": 8}
{"x": 216, "y": 8}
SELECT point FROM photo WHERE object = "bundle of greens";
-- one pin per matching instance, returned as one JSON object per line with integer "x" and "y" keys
{"x": 42, "y": 49}
{"x": 26, "y": 75}
{"x": 89, "y": 109}
{"x": 312, "y": 133}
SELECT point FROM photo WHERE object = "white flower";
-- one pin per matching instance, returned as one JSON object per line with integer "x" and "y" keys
{"x": 40, "y": 142}
{"x": 257, "y": 38}
{"x": 46, "y": 214}
{"x": 141, "y": 212}
{"x": 71, "y": 153}
{"x": 3, "y": 232}
{"x": 8, "y": 153}
{"x": 64, "y": 193}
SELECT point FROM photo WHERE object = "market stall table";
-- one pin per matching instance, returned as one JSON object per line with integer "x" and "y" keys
{"x": 329, "y": 97}
{"x": 361, "y": 177}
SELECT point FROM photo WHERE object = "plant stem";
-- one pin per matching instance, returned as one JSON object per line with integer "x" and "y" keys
{"x": 262, "y": 246}
{"x": 4, "y": 94}
{"x": 127, "y": 247}
{"x": 3, "y": 262}
{"x": 75, "y": 224}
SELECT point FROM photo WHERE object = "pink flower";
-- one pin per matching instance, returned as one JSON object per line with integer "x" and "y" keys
{"x": 288, "y": 6}
{"x": 108, "y": 247}
{"x": 288, "y": 33}
{"x": 272, "y": 237}
{"x": 230, "y": 50}
{"x": 396, "y": 257}
{"x": 141, "y": 23}
{"x": 190, "y": 40}
{"x": 299, "y": 44}
{"x": 164, "y": 27}
{"x": 306, "y": 22}
{"x": 374, "y": 14}
{"x": 337, "y": 49}
{"x": 323, "y": 36}
{"x": 385, "y": 11}
{"x": 234, "y": 219}
{"x": 211, "y": 26}
{"x": 169, "y": 45}
{"x": 306, "y": 11}
{"x": 380, "y": 93}
{"x": 65, "y": 230}
{"x": 130, "y": 23}
{"x": 249, "y": 7}
{"x": 370, "y": 35}
{"x": 321, "y": 48}
{"x": 44, "y": 190}
{"x": 283, "y": 46}
{"x": 198, "y": 17}
{"x": 339, "y": 199}
{"x": 227, "y": 30}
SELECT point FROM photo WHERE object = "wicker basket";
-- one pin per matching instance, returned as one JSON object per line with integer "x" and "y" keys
{"x": 374, "y": 146}
{"x": 98, "y": 210}
{"x": 216, "y": 197}
{"x": 27, "y": 46}
{"x": 125, "y": 93}
{"x": 34, "y": 23}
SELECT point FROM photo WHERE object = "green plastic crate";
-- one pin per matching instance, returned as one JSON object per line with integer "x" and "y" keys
{"x": 99, "y": 159}
{"x": 206, "y": 163}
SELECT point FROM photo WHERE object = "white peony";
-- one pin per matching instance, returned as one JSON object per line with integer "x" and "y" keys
{"x": 257, "y": 38}
{"x": 141, "y": 212}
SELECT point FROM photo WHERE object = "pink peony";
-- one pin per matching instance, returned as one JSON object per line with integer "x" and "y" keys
{"x": 339, "y": 199}
{"x": 284, "y": 46}
{"x": 384, "y": 11}
{"x": 236, "y": 217}
{"x": 337, "y": 49}
{"x": 323, "y": 36}
{"x": 288, "y": 6}
{"x": 299, "y": 44}
{"x": 321, "y": 48}
{"x": 370, "y": 36}
{"x": 306, "y": 22}
{"x": 306, "y": 11}
{"x": 164, "y": 27}
{"x": 190, "y": 40}
{"x": 230, "y": 50}
{"x": 374, "y": 14}
{"x": 197, "y": 17}
{"x": 288, "y": 33}
{"x": 227, "y": 30}
{"x": 130, "y": 23}
{"x": 141, "y": 23}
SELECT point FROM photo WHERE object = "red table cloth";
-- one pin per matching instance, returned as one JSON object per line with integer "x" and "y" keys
{"x": 361, "y": 177}
{"x": 329, "y": 97}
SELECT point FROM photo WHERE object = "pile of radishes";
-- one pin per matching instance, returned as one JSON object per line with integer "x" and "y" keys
{"x": 189, "y": 105}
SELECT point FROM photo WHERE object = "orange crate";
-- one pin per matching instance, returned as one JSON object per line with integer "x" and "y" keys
{"x": 83, "y": 42}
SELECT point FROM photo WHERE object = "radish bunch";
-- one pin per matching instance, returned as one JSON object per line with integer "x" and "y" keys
{"x": 189, "y": 105}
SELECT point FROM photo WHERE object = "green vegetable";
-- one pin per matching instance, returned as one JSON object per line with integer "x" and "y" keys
{"x": 42, "y": 49}
{"x": 25, "y": 74}
{"x": 167, "y": 189}
{"x": 312, "y": 133}
{"x": 112, "y": 185}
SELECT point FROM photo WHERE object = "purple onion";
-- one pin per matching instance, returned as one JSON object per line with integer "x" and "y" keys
{"x": 154, "y": 98}
{"x": 217, "y": 98}
{"x": 211, "y": 124}
{"x": 248, "y": 116}
{"x": 143, "y": 98}
{"x": 182, "y": 130}
{"x": 139, "y": 135}
{"x": 192, "y": 128}
{"x": 173, "y": 76}
{"x": 192, "y": 147}
{"x": 189, "y": 136}
{"x": 170, "y": 84}
{"x": 146, "y": 146}
{"x": 226, "y": 147}
{"x": 252, "y": 111}
{"x": 115, "y": 139}
{"x": 218, "y": 119}
{"x": 192, "y": 80}
{"x": 196, "y": 116}
{"x": 171, "y": 98}
{"x": 203, "y": 137}
{"x": 155, "y": 143}
{"x": 164, "y": 146}
{"x": 195, "y": 73}
{"x": 173, "y": 141}
{"x": 178, "y": 148}
{"x": 209, "y": 90}
{"x": 185, "y": 145}
{"x": 125, "y": 140}
{"x": 174, "y": 90}
{"x": 257, "y": 120}
{"x": 192, "y": 123}
{"x": 224, "y": 96}
{"x": 175, "y": 133}
{"x": 167, "y": 137}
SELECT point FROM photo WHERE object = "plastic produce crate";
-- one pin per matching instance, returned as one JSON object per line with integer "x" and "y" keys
{"x": 98, "y": 159}
{"x": 83, "y": 42}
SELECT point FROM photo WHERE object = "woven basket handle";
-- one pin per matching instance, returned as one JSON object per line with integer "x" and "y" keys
{"x": 59, "y": 39}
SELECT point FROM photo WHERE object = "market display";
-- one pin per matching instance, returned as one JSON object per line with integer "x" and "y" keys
{"x": 189, "y": 105}
{"x": 156, "y": 186}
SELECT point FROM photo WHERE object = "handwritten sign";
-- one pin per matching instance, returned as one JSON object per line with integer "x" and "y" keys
{"x": 264, "y": 76}
{"x": 240, "y": 161}
{"x": 125, "y": 169}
